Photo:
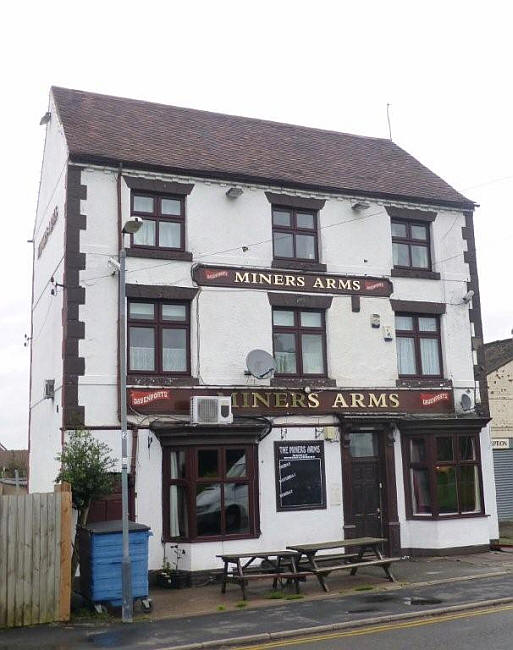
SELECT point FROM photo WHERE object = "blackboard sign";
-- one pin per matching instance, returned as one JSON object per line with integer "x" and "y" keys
{"x": 300, "y": 483}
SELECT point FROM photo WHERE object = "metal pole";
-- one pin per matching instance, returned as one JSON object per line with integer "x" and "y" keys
{"x": 126, "y": 572}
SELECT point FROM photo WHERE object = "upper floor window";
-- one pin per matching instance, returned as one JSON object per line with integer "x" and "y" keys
{"x": 411, "y": 245}
{"x": 158, "y": 337}
{"x": 299, "y": 338}
{"x": 419, "y": 350}
{"x": 163, "y": 221}
{"x": 295, "y": 234}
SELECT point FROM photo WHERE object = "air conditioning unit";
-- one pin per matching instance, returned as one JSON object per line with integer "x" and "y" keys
{"x": 49, "y": 392}
{"x": 211, "y": 410}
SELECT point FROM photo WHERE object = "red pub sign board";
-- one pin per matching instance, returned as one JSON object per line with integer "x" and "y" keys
{"x": 229, "y": 276}
{"x": 265, "y": 401}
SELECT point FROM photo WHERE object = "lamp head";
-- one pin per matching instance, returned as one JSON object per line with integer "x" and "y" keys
{"x": 131, "y": 226}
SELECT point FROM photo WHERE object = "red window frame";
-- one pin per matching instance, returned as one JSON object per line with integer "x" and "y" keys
{"x": 192, "y": 479}
{"x": 410, "y": 241}
{"x": 297, "y": 330}
{"x": 417, "y": 335}
{"x": 432, "y": 464}
{"x": 296, "y": 230}
{"x": 157, "y": 216}
{"x": 158, "y": 324}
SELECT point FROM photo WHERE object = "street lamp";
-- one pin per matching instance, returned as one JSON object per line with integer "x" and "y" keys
{"x": 127, "y": 609}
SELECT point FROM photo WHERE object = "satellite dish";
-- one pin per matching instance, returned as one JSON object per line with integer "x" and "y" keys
{"x": 260, "y": 364}
{"x": 466, "y": 402}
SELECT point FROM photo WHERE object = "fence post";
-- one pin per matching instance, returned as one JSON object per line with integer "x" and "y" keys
{"x": 66, "y": 546}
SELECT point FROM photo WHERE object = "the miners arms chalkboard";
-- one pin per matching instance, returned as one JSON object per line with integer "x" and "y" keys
{"x": 300, "y": 482}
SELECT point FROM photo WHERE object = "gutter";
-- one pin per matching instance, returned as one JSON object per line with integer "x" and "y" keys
{"x": 280, "y": 183}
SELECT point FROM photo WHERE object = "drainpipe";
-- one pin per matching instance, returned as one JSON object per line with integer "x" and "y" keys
{"x": 120, "y": 243}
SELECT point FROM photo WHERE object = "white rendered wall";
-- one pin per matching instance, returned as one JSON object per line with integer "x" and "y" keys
{"x": 232, "y": 322}
{"x": 45, "y": 416}
{"x": 278, "y": 529}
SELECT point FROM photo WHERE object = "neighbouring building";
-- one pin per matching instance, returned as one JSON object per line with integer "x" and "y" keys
{"x": 340, "y": 255}
{"x": 499, "y": 370}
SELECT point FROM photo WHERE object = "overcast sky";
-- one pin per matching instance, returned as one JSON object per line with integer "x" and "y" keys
{"x": 445, "y": 68}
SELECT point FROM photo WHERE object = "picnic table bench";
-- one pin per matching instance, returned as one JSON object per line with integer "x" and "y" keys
{"x": 363, "y": 547}
{"x": 280, "y": 565}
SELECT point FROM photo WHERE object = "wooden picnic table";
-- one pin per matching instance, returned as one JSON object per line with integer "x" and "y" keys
{"x": 281, "y": 565}
{"x": 344, "y": 561}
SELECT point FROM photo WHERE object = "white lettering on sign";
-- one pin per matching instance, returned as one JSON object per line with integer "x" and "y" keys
{"x": 139, "y": 398}
{"x": 500, "y": 443}
{"x": 428, "y": 399}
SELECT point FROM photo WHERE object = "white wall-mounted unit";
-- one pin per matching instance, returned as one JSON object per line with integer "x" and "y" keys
{"x": 211, "y": 410}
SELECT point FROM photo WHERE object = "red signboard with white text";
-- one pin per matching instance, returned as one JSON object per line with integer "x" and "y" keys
{"x": 275, "y": 401}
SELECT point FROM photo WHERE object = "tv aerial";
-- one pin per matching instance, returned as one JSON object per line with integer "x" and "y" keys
{"x": 260, "y": 364}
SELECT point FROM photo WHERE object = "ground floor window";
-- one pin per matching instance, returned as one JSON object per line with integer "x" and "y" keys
{"x": 209, "y": 492}
{"x": 443, "y": 475}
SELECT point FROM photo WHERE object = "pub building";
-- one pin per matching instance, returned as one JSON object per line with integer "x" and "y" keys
{"x": 342, "y": 257}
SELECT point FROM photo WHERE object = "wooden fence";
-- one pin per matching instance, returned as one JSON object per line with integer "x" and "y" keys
{"x": 35, "y": 557}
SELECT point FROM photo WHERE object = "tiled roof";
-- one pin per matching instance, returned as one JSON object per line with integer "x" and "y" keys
{"x": 100, "y": 128}
{"x": 498, "y": 354}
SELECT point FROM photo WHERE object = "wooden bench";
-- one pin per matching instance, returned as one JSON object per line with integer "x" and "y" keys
{"x": 364, "y": 546}
{"x": 354, "y": 566}
{"x": 283, "y": 566}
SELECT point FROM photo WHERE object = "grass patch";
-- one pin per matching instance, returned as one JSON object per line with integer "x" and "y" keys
{"x": 275, "y": 595}
{"x": 221, "y": 608}
{"x": 294, "y": 597}
{"x": 241, "y": 604}
{"x": 364, "y": 588}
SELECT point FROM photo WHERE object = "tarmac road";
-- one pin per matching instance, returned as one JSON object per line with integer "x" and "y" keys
{"x": 476, "y": 630}
{"x": 294, "y": 616}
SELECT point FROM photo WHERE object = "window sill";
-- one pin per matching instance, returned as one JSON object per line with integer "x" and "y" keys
{"x": 161, "y": 380}
{"x": 159, "y": 254}
{"x": 298, "y": 265}
{"x": 469, "y": 515}
{"x": 301, "y": 382}
{"x": 213, "y": 538}
{"x": 415, "y": 273}
{"x": 423, "y": 383}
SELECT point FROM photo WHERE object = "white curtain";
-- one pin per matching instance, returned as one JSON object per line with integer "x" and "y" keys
{"x": 174, "y": 522}
{"x": 406, "y": 356}
{"x": 429, "y": 356}
{"x": 313, "y": 361}
{"x": 145, "y": 236}
{"x": 174, "y": 359}
{"x": 142, "y": 358}
{"x": 169, "y": 234}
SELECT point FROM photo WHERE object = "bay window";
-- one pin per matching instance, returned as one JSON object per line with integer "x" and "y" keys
{"x": 209, "y": 492}
{"x": 443, "y": 475}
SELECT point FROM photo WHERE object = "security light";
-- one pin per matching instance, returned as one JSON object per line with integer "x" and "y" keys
{"x": 234, "y": 192}
{"x": 45, "y": 119}
{"x": 360, "y": 206}
{"x": 468, "y": 296}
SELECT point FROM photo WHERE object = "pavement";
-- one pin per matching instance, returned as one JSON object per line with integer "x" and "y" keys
{"x": 202, "y": 617}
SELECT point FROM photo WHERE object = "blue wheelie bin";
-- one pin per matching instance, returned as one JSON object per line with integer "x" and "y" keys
{"x": 101, "y": 551}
